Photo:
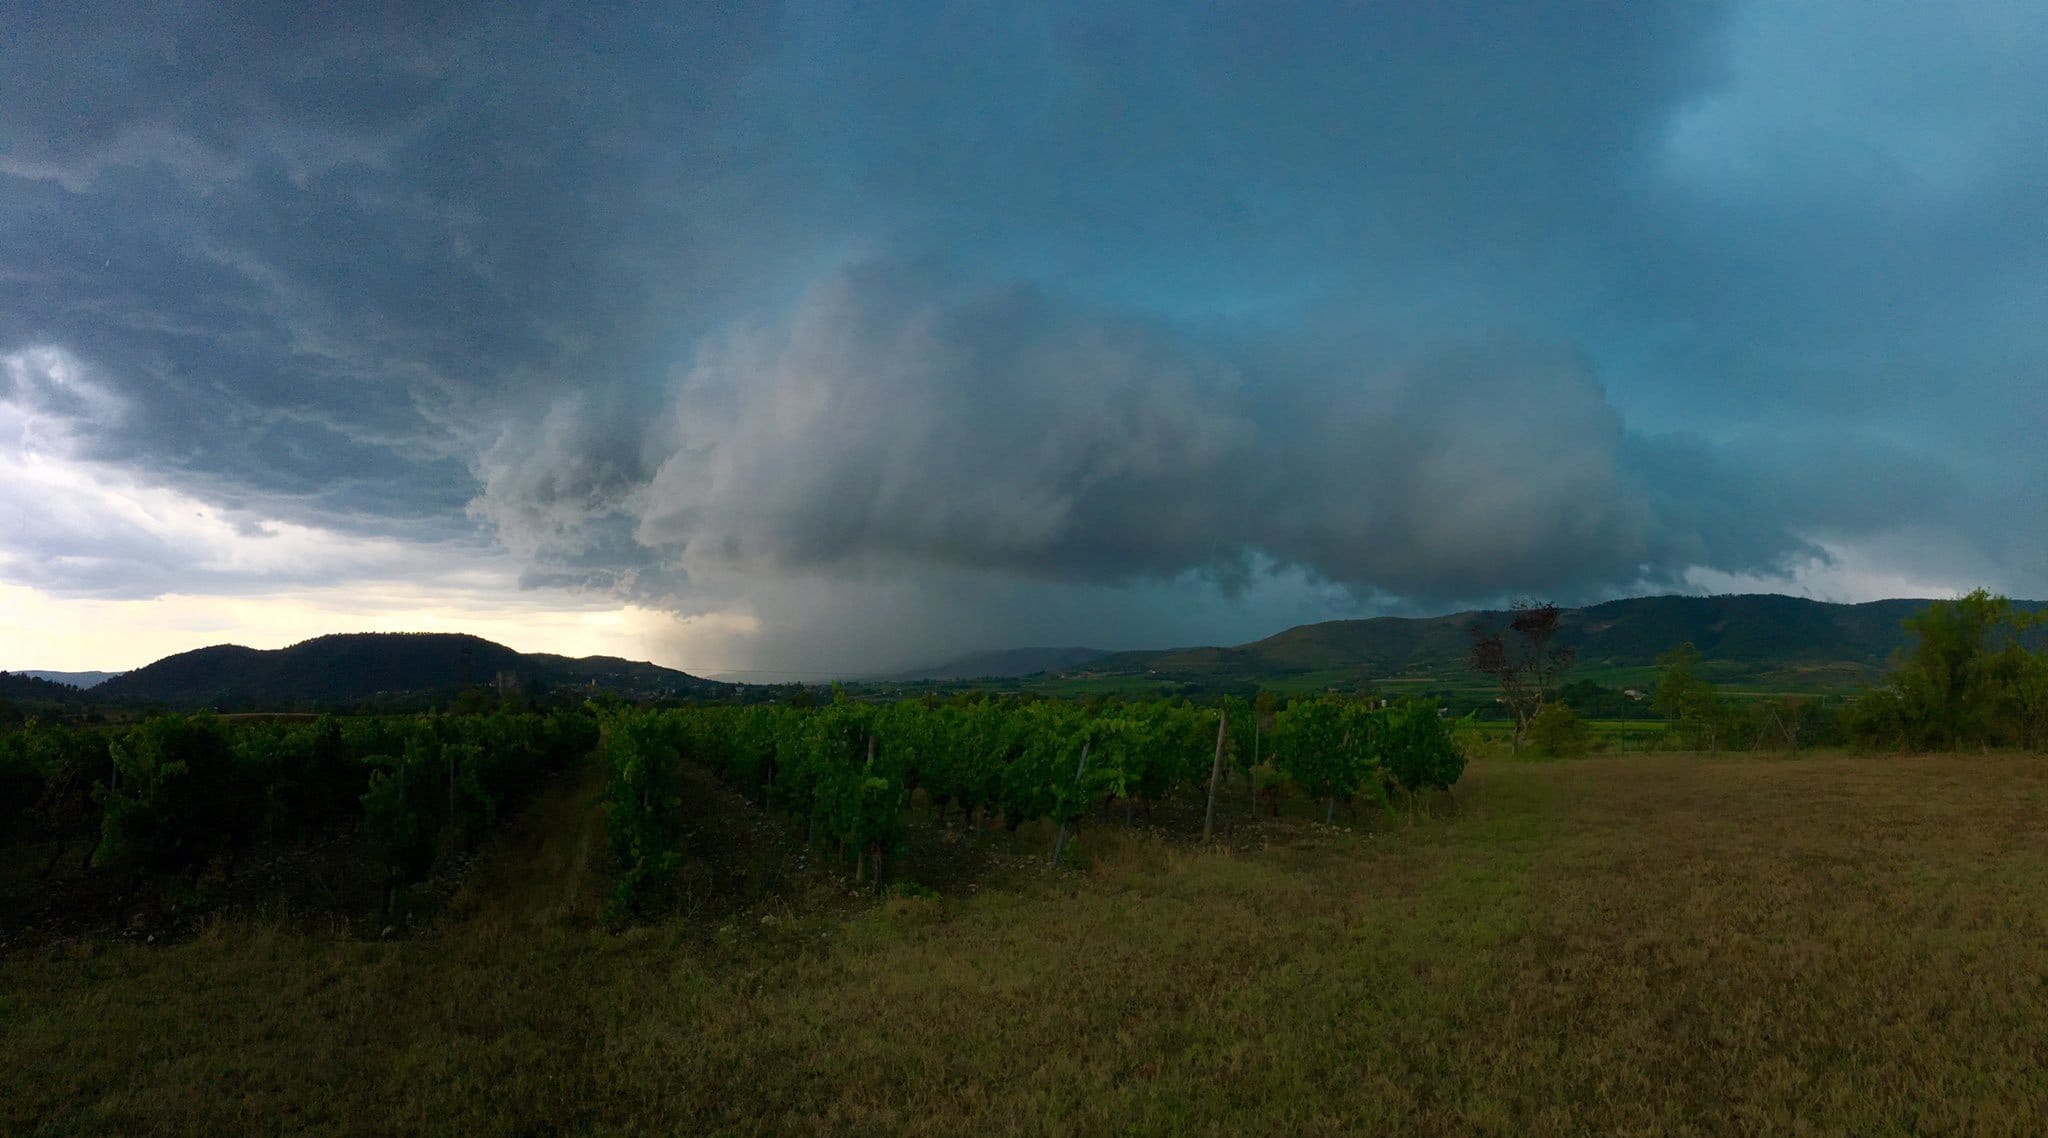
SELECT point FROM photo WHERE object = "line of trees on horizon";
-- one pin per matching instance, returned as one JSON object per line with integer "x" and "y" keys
{"x": 1967, "y": 679}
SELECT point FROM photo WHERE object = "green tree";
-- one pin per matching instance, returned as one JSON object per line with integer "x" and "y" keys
{"x": 1688, "y": 700}
{"x": 2027, "y": 707}
{"x": 1558, "y": 731}
{"x": 1965, "y": 662}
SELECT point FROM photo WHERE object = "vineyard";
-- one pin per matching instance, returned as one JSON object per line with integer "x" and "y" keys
{"x": 172, "y": 799}
{"x": 846, "y": 772}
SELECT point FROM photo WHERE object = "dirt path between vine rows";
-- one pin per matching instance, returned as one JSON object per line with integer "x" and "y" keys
{"x": 545, "y": 869}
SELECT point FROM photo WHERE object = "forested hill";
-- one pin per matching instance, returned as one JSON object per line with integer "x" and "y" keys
{"x": 34, "y": 689}
{"x": 1756, "y": 629}
{"x": 1759, "y": 631}
{"x": 364, "y": 666}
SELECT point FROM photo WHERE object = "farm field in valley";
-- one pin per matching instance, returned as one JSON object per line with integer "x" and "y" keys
{"x": 1644, "y": 944}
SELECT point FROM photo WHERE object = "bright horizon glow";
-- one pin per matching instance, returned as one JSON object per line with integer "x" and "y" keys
{"x": 1854, "y": 576}
{"x": 77, "y": 634}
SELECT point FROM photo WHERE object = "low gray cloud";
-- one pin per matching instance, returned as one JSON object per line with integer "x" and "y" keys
{"x": 897, "y": 421}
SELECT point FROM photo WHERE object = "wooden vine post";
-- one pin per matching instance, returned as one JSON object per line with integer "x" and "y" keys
{"x": 1215, "y": 775}
{"x": 1059, "y": 842}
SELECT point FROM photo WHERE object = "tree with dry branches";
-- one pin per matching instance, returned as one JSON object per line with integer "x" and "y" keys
{"x": 1521, "y": 659}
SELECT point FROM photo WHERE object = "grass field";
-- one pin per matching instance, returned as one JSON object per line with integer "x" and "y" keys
{"x": 1492, "y": 737}
{"x": 1620, "y": 944}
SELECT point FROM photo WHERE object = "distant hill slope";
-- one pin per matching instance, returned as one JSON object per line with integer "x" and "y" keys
{"x": 1758, "y": 630}
{"x": 360, "y": 666}
{"x": 29, "y": 688}
{"x": 79, "y": 680}
{"x": 1003, "y": 664}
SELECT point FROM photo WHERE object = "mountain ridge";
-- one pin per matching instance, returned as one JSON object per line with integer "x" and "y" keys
{"x": 357, "y": 666}
{"x": 1757, "y": 631}
{"x": 1750, "y": 629}
{"x": 83, "y": 681}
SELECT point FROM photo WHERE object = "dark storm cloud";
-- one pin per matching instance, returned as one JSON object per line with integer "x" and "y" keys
{"x": 307, "y": 247}
{"x": 720, "y": 303}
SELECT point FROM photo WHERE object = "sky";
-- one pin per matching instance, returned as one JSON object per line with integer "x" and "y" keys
{"x": 828, "y": 339}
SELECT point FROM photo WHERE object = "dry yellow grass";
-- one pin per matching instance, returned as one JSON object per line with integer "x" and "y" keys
{"x": 1633, "y": 945}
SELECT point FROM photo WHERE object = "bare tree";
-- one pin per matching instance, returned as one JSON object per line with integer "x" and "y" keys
{"x": 1520, "y": 658}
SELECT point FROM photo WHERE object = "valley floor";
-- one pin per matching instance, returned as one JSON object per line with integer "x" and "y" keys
{"x": 1632, "y": 944}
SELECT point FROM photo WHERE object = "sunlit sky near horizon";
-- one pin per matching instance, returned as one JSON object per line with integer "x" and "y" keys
{"x": 821, "y": 339}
